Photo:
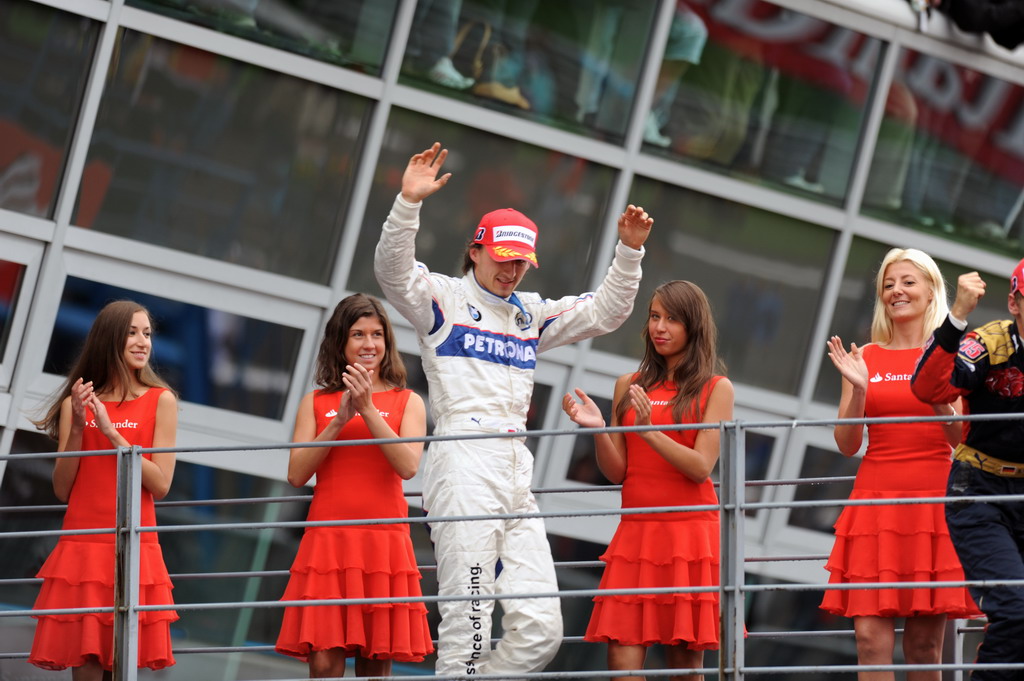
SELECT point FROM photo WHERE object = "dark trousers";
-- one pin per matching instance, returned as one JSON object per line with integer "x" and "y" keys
{"x": 989, "y": 539}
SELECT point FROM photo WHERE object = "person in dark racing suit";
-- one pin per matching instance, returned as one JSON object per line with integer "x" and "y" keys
{"x": 986, "y": 368}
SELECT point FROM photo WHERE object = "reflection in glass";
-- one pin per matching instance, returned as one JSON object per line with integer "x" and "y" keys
{"x": 27, "y": 483}
{"x": 851, "y": 318}
{"x": 565, "y": 196}
{"x": 228, "y": 551}
{"x": 758, "y": 448}
{"x": 45, "y": 61}
{"x": 792, "y": 611}
{"x": 583, "y": 463}
{"x": 574, "y": 63}
{"x": 350, "y": 33}
{"x": 210, "y": 357}
{"x": 764, "y": 92}
{"x": 762, "y": 272}
{"x": 821, "y": 463}
{"x": 950, "y": 154}
{"x": 11, "y": 274}
{"x": 225, "y": 160}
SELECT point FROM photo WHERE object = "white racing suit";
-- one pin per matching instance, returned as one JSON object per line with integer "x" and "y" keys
{"x": 479, "y": 352}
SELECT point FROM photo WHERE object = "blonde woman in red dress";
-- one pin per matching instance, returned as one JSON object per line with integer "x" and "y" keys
{"x": 362, "y": 396}
{"x": 676, "y": 383}
{"x": 905, "y": 543}
{"x": 112, "y": 398}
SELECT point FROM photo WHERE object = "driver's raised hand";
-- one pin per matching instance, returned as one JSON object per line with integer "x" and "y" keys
{"x": 420, "y": 178}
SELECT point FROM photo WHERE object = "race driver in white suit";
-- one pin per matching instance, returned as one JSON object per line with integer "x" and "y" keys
{"x": 479, "y": 340}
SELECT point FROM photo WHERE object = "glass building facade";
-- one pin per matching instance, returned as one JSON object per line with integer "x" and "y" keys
{"x": 228, "y": 163}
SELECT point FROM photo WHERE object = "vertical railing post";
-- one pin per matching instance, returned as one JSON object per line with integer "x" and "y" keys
{"x": 126, "y": 565}
{"x": 958, "y": 650}
{"x": 732, "y": 469}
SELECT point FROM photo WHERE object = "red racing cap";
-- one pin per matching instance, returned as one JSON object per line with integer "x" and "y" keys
{"x": 508, "y": 235}
{"x": 1017, "y": 279}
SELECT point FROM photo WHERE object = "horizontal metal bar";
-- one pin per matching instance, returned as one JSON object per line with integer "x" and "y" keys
{"x": 242, "y": 501}
{"x": 28, "y": 456}
{"x": 577, "y": 593}
{"x": 847, "y": 668}
{"x": 795, "y": 423}
{"x": 524, "y": 676}
{"x": 425, "y": 520}
{"x": 57, "y": 533}
{"x": 799, "y": 481}
{"x": 868, "y": 586}
{"x": 904, "y": 501}
{"x": 294, "y": 524}
{"x": 57, "y": 611}
{"x": 590, "y": 593}
{"x": 575, "y": 564}
{"x": 785, "y": 559}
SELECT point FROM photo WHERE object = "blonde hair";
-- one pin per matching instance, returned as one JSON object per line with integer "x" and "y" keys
{"x": 938, "y": 308}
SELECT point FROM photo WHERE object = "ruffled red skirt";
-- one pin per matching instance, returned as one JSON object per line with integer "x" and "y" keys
{"x": 905, "y": 543}
{"x": 656, "y": 553}
{"x": 80, "y": 574}
{"x": 355, "y": 562}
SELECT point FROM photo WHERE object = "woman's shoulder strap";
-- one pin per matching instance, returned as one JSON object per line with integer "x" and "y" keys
{"x": 401, "y": 397}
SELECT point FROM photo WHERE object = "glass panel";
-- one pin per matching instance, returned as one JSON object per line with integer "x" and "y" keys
{"x": 583, "y": 464}
{"x": 223, "y": 159}
{"x": 820, "y": 463}
{"x": 228, "y": 551}
{"x": 855, "y": 307}
{"x": 579, "y": 655}
{"x": 565, "y": 196}
{"x": 26, "y": 484}
{"x": 762, "y": 272}
{"x": 797, "y": 611}
{"x": 210, "y": 357}
{"x": 11, "y": 274}
{"x": 574, "y": 64}
{"x": 763, "y": 92}
{"x": 44, "y": 62}
{"x": 350, "y": 33}
{"x": 950, "y": 154}
{"x": 758, "y": 448}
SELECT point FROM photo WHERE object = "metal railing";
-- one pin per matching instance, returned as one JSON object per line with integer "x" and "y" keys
{"x": 732, "y": 589}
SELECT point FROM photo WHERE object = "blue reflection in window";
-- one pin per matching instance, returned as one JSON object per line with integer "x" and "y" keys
{"x": 210, "y": 357}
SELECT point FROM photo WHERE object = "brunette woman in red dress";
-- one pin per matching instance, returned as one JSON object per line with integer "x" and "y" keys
{"x": 112, "y": 398}
{"x": 362, "y": 396}
{"x": 905, "y": 543}
{"x": 676, "y": 383}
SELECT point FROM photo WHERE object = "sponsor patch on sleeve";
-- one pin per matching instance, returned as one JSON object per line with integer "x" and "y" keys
{"x": 971, "y": 350}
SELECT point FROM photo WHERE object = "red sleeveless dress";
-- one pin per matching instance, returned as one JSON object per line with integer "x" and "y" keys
{"x": 663, "y": 549}
{"x": 906, "y": 543}
{"x": 79, "y": 572}
{"x": 372, "y": 561}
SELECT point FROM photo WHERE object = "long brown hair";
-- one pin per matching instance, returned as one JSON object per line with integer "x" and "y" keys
{"x": 102, "y": 361}
{"x": 330, "y": 360}
{"x": 686, "y": 302}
